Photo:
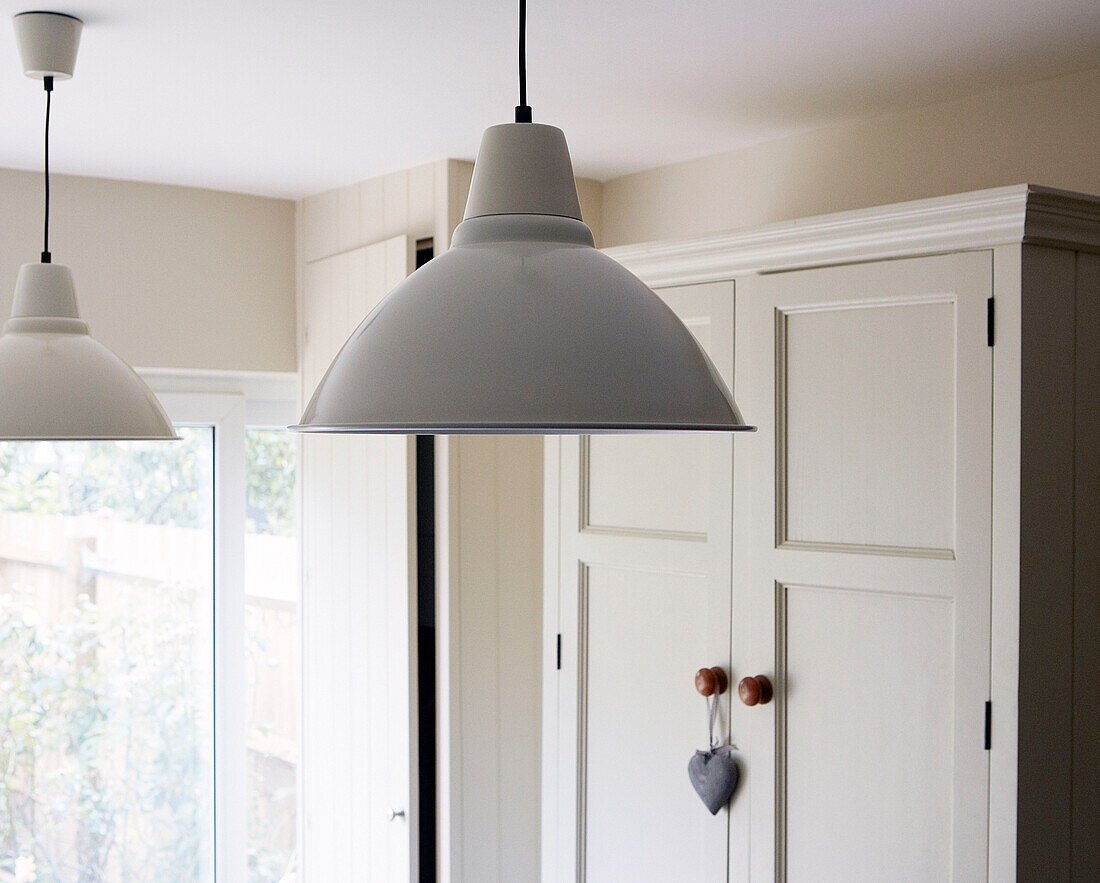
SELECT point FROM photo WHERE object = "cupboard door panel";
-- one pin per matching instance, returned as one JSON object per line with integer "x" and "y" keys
{"x": 642, "y": 723}
{"x": 669, "y": 479}
{"x": 862, "y": 569}
{"x": 861, "y": 740}
{"x": 867, "y": 435}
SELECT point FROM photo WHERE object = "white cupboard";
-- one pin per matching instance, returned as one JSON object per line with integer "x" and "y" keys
{"x": 906, "y": 549}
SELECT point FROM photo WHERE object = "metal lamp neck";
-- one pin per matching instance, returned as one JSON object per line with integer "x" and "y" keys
{"x": 523, "y": 169}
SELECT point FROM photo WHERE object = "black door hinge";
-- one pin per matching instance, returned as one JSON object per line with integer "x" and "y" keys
{"x": 989, "y": 321}
{"x": 559, "y": 651}
{"x": 988, "y": 725}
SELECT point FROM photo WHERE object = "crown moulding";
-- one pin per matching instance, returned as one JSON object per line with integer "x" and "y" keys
{"x": 1021, "y": 213}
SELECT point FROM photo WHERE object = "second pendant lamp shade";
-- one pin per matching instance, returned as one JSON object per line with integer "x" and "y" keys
{"x": 522, "y": 326}
{"x": 56, "y": 381}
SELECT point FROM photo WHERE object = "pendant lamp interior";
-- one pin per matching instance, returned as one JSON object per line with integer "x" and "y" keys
{"x": 56, "y": 381}
{"x": 522, "y": 326}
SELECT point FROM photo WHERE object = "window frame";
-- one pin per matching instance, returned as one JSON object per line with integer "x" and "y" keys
{"x": 230, "y": 403}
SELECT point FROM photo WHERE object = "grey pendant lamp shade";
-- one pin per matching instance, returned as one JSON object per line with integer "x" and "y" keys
{"x": 522, "y": 326}
{"x": 56, "y": 381}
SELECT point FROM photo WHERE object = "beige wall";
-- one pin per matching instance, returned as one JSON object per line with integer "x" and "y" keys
{"x": 1040, "y": 133}
{"x": 167, "y": 277}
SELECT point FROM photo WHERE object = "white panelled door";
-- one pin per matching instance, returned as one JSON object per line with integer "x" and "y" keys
{"x": 357, "y": 502}
{"x": 644, "y": 602}
{"x": 862, "y": 570}
{"x": 858, "y": 582}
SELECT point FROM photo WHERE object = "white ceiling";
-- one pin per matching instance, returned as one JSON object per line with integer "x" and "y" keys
{"x": 291, "y": 97}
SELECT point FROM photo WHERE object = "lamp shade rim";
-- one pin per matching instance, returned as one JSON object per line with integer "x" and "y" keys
{"x": 88, "y": 437}
{"x": 490, "y": 428}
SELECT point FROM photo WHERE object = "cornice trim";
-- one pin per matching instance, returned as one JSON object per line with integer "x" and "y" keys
{"x": 981, "y": 219}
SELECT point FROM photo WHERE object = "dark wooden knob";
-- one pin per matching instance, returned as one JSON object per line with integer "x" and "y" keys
{"x": 755, "y": 691}
{"x": 709, "y": 681}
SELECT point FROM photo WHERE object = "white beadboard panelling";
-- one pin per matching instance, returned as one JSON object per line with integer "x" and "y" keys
{"x": 426, "y": 200}
{"x": 519, "y": 513}
{"x": 421, "y": 187}
{"x": 320, "y": 233}
{"x": 402, "y": 203}
{"x": 347, "y": 219}
{"x": 495, "y": 639}
{"x": 356, "y": 761}
{"x": 395, "y": 201}
{"x": 371, "y": 221}
{"x": 449, "y": 212}
{"x": 488, "y": 571}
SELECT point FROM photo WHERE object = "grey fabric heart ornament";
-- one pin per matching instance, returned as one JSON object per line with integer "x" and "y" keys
{"x": 714, "y": 775}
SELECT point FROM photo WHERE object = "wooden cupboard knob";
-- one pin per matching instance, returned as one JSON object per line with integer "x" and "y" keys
{"x": 709, "y": 681}
{"x": 755, "y": 691}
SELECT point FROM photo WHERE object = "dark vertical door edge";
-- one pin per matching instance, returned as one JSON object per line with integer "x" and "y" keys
{"x": 425, "y": 637}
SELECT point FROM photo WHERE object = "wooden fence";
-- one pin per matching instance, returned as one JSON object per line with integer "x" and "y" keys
{"x": 61, "y": 557}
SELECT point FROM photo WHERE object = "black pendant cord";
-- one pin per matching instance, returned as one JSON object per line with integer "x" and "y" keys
{"x": 523, "y": 112}
{"x": 47, "y": 83}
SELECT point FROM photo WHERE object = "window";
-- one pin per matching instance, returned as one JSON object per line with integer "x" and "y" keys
{"x": 148, "y": 648}
{"x": 106, "y": 588}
